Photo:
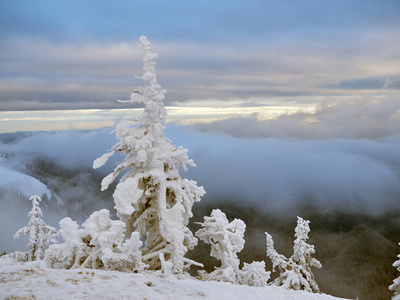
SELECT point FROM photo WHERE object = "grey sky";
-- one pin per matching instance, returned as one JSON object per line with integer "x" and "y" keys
{"x": 84, "y": 54}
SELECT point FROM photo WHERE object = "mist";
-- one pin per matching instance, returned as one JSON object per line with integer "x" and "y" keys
{"x": 280, "y": 175}
{"x": 286, "y": 175}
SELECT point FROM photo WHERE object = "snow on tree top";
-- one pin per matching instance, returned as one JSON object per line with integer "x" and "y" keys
{"x": 151, "y": 197}
{"x": 152, "y": 95}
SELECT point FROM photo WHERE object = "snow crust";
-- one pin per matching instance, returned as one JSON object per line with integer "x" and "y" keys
{"x": 34, "y": 281}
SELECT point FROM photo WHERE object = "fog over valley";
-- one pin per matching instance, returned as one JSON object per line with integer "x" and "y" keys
{"x": 339, "y": 183}
{"x": 275, "y": 174}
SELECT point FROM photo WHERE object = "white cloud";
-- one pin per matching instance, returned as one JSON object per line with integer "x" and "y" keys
{"x": 274, "y": 174}
{"x": 340, "y": 118}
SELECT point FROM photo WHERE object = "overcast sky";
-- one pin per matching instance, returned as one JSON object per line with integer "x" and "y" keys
{"x": 84, "y": 54}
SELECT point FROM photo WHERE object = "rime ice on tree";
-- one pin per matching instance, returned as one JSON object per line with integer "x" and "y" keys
{"x": 40, "y": 234}
{"x": 395, "y": 287}
{"x": 99, "y": 244}
{"x": 295, "y": 272}
{"x": 226, "y": 240}
{"x": 151, "y": 197}
{"x": 254, "y": 274}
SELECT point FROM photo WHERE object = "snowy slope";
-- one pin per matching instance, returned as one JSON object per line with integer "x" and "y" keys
{"x": 34, "y": 281}
{"x": 27, "y": 185}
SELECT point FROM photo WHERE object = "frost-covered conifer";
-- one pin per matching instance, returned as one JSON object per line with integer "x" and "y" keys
{"x": 226, "y": 240}
{"x": 254, "y": 274}
{"x": 295, "y": 272}
{"x": 151, "y": 197}
{"x": 99, "y": 244}
{"x": 40, "y": 234}
{"x": 395, "y": 287}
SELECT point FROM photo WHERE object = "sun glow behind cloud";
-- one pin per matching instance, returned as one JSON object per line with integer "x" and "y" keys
{"x": 49, "y": 120}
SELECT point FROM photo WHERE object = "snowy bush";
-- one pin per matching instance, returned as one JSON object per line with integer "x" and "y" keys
{"x": 254, "y": 274}
{"x": 40, "y": 234}
{"x": 151, "y": 197}
{"x": 295, "y": 272}
{"x": 99, "y": 244}
{"x": 226, "y": 240}
{"x": 395, "y": 287}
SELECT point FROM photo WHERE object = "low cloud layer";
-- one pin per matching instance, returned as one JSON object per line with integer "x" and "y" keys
{"x": 368, "y": 118}
{"x": 284, "y": 175}
{"x": 280, "y": 175}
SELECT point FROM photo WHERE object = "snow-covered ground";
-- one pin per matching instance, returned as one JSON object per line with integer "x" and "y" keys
{"x": 34, "y": 281}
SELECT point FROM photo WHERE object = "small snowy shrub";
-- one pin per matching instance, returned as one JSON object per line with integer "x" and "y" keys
{"x": 295, "y": 272}
{"x": 151, "y": 196}
{"x": 254, "y": 274}
{"x": 226, "y": 240}
{"x": 40, "y": 234}
{"x": 99, "y": 244}
{"x": 395, "y": 287}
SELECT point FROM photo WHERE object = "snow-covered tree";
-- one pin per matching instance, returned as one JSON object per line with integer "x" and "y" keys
{"x": 151, "y": 197}
{"x": 226, "y": 240}
{"x": 395, "y": 287}
{"x": 99, "y": 244}
{"x": 295, "y": 272}
{"x": 40, "y": 234}
{"x": 254, "y": 274}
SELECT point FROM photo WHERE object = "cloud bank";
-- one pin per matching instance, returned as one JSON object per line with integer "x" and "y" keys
{"x": 280, "y": 175}
{"x": 355, "y": 118}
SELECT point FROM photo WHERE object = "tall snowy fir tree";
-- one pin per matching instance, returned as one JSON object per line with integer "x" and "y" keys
{"x": 40, "y": 234}
{"x": 151, "y": 197}
{"x": 295, "y": 272}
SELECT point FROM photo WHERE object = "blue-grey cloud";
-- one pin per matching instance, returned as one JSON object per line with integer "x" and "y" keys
{"x": 83, "y": 54}
{"x": 374, "y": 83}
{"x": 38, "y": 75}
{"x": 275, "y": 174}
{"x": 178, "y": 20}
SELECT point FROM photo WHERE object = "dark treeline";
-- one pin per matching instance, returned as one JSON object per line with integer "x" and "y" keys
{"x": 78, "y": 188}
